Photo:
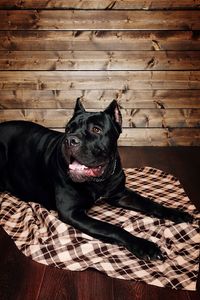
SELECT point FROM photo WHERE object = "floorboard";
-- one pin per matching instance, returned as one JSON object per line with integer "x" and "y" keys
{"x": 20, "y": 277}
{"x": 23, "y": 279}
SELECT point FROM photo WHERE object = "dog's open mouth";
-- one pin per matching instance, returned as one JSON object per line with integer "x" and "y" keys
{"x": 83, "y": 170}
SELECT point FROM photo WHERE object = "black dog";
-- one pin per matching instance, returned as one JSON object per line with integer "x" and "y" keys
{"x": 70, "y": 171}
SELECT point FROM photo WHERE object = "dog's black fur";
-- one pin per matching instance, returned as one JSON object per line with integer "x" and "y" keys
{"x": 70, "y": 171}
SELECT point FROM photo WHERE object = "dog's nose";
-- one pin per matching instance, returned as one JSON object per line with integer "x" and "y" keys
{"x": 73, "y": 141}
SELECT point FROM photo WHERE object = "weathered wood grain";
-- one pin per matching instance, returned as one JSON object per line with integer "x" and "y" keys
{"x": 100, "y": 60}
{"x": 161, "y": 118}
{"x": 125, "y": 80}
{"x": 99, "y": 20}
{"x": 130, "y": 136}
{"x": 160, "y": 137}
{"x": 99, "y": 99}
{"x": 145, "y": 54}
{"x": 103, "y": 4}
{"x": 157, "y": 136}
{"x": 139, "y": 118}
{"x": 99, "y": 40}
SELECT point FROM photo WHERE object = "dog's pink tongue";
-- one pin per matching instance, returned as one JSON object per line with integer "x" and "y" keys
{"x": 77, "y": 167}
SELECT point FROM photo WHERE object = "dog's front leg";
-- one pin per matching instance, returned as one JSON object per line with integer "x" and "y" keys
{"x": 112, "y": 234}
{"x": 72, "y": 206}
{"x": 128, "y": 199}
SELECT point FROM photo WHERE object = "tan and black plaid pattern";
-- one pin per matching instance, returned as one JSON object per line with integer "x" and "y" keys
{"x": 41, "y": 236}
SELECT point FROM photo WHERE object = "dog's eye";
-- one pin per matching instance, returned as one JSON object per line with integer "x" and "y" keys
{"x": 96, "y": 130}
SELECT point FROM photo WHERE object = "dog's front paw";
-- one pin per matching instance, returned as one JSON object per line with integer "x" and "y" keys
{"x": 179, "y": 216}
{"x": 146, "y": 250}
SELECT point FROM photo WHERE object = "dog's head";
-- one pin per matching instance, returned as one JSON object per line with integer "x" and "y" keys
{"x": 90, "y": 143}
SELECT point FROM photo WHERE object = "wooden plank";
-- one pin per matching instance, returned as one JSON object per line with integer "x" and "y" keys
{"x": 139, "y": 118}
{"x": 17, "y": 271}
{"x": 48, "y": 118}
{"x": 161, "y": 118}
{"x": 129, "y": 137}
{"x": 99, "y": 99}
{"x": 100, "y": 60}
{"x": 80, "y": 285}
{"x": 104, "y": 4}
{"x": 98, "y": 20}
{"x": 125, "y": 80}
{"x": 99, "y": 40}
{"x": 160, "y": 137}
{"x": 157, "y": 136}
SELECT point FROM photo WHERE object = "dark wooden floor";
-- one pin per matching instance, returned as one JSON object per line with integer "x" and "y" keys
{"x": 21, "y": 278}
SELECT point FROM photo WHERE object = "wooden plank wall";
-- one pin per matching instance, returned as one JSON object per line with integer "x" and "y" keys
{"x": 145, "y": 54}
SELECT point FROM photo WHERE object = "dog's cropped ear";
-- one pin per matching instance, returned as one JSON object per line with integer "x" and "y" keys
{"x": 78, "y": 107}
{"x": 114, "y": 111}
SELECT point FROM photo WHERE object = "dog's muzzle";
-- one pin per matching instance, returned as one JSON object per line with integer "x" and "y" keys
{"x": 80, "y": 167}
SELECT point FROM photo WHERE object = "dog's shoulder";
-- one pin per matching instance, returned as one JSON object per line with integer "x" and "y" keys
{"x": 19, "y": 124}
{"x": 23, "y": 130}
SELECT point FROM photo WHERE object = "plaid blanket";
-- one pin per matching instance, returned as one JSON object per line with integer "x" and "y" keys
{"x": 40, "y": 235}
